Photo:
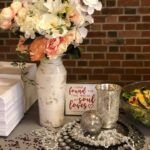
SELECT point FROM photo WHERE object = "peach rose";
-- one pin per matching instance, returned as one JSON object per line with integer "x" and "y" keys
{"x": 37, "y": 48}
{"x": 7, "y": 13}
{"x": 16, "y": 6}
{"x": 5, "y": 24}
{"x": 21, "y": 47}
{"x": 70, "y": 37}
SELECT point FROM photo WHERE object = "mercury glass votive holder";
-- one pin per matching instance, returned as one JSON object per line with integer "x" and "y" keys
{"x": 108, "y": 103}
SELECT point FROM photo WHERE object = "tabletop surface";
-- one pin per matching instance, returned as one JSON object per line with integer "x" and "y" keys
{"x": 30, "y": 122}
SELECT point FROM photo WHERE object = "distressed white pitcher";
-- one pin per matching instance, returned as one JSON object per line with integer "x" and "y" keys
{"x": 51, "y": 83}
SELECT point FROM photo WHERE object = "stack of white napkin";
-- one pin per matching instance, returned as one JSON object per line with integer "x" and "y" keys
{"x": 13, "y": 72}
{"x": 11, "y": 104}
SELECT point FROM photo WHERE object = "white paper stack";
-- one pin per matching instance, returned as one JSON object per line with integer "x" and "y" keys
{"x": 11, "y": 104}
{"x": 11, "y": 72}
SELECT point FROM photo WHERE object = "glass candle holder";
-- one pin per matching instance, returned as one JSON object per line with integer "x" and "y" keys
{"x": 108, "y": 104}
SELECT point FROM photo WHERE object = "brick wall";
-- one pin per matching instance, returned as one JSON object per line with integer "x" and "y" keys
{"x": 117, "y": 48}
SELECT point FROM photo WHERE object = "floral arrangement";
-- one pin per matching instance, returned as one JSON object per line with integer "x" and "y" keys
{"x": 48, "y": 28}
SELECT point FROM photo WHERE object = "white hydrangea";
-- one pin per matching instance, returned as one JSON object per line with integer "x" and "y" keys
{"x": 27, "y": 19}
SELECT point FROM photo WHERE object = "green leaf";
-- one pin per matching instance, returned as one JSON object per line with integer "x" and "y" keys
{"x": 28, "y": 41}
{"x": 73, "y": 52}
{"x": 128, "y": 95}
{"x": 15, "y": 64}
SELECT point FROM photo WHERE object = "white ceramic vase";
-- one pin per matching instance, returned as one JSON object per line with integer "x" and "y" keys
{"x": 51, "y": 83}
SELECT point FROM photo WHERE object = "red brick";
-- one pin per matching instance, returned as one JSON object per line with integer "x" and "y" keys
{"x": 129, "y": 18}
{"x": 144, "y": 10}
{"x": 109, "y": 11}
{"x": 111, "y": 41}
{"x": 96, "y": 34}
{"x": 129, "y": 26}
{"x": 2, "y": 5}
{"x": 143, "y": 41}
{"x": 128, "y": 3}
{"x": 130, "y": 41}
{"x": 145, "y": 2}
{"x": 96, "y": 41}
{"x": 86, "y": 56}
{"x": 94, "y": 27}
{"x": 143, "y": 71}
{"x": 69, "y": 70}
{"x": 113, "y": 70}
{"x": 130, "y": 49}
{"x": 12, "y": 57}
{"x": 111, "y": 19}
{"x": 143, "y": 26}
{"x": 98, "y": 63}
{"x": 129, "y": 71}
{"x": 131, "y": 77}
{"x": 143, "y": 56}
{"x": 99, "y": 19}
{"x": 129, "y": 34}
{"x": 82, "y": 63}
{"x": 114, "y": 56}
{"x": 146, "y": 48}
{"x": 98, "y": 77}
{"x": 98, "y": 71}
{"x": 82, "y": 71}
{"x": 114, "y": 77}
{"x": 4, "y": 34}
{"x": 82, "y": 77}
{"x": 4, "y": 49}
{"x": 2, "y": 57}
{"x": 112, "y": 26}
{"x": 1, "y": 42}
{"x": 146, "y": 34}
{"x": 69, "y": 63}
{"x": 115, "y": 63}
{"x": 71, "y": 78}
{"x": 132, "y": 64}
{"x": 11, "y": 41}
{"x": 110, "y": 3}
{"x": 147, "y": 63}
{"x": 99, "y": 56}
{"x": 146, "y": 19}
{"x": 146, "y": 77}
{"x": 97, "y": 48}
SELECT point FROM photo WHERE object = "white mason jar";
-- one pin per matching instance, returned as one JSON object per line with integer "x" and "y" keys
{"x": 51, "y": 83}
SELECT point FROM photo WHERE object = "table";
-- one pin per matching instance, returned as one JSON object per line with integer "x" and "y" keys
{"x": 30, "y": 122}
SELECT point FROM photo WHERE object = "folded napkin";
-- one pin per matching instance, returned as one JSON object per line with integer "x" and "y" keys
{"x": 8, "y": 125}
{"x": 18, "y": 104}
{"x": 13, "y": 72}
{"x": 10, "y": 90}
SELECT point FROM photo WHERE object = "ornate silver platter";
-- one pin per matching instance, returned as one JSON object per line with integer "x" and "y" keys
{"x": 72, "y": 138}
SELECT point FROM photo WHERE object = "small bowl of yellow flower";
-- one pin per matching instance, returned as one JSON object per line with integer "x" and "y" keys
{"x": 136, "y": 101}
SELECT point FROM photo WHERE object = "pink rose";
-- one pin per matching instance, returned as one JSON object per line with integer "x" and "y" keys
{"x": 7, "y": 13}
{"x": 5, "y": 24}
{"x": 16, "y": 6}
{"x": 55, "y": 46}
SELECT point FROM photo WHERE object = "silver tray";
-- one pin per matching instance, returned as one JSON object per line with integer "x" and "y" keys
{"x": 68, "y": 141}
